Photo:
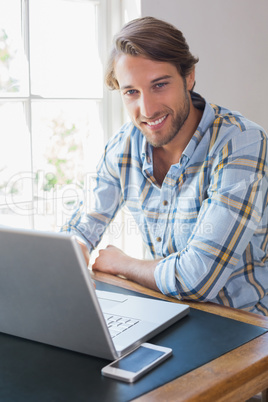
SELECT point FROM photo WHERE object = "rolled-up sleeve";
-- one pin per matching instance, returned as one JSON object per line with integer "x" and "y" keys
{"x": 236, "y": 211}
{"x": 89, "y": 226}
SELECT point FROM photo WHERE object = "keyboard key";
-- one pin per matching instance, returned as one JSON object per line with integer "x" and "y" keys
{"x": 117, "y": 324}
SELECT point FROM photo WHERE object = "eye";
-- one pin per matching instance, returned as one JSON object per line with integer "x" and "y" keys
{"x": 161, "y": 85}
{"x": 131, "y": 92}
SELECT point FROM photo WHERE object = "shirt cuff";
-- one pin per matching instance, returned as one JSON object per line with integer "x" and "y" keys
{"x": 79, "y": 237}
{"x": 165, "y": 278}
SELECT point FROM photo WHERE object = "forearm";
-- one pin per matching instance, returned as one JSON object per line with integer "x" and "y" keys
{"x": 141, "y": 271}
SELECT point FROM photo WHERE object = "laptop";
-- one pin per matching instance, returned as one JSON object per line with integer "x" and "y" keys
{"x": 47, "y": 295}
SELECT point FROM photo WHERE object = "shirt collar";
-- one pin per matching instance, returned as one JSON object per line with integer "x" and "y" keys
{"x": 147, "y": 155}
{"x": 206, "y": 121}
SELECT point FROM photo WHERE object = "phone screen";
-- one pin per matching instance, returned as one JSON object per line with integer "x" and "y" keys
{"x": 138, "y": 359}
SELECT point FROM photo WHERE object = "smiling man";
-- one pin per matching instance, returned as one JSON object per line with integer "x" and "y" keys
{"x": 193, "y": 175}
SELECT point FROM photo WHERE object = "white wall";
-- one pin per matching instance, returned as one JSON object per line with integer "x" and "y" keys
{"x": 230, "y": 37}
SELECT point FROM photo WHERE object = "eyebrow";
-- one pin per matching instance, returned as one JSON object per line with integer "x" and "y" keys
{"x": 163, "y": 77}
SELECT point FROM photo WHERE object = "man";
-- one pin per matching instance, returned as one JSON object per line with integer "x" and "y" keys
{"x": 193, "y": 175}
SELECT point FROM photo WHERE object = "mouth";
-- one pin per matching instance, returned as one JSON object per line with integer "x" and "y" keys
{"x": 156, "y": 124}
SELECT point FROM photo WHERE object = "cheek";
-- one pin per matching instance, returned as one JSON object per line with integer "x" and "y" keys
{"x": 171, "y": 99}
{"x": 179, "y": 102}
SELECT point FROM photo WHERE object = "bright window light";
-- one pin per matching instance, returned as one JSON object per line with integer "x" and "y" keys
{"x": 51, "y": 108}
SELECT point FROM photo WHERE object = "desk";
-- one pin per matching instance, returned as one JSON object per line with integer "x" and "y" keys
{"x": 235, "y": 376}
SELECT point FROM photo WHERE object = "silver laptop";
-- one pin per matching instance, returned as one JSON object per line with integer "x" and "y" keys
{"x": 47, "y": 295}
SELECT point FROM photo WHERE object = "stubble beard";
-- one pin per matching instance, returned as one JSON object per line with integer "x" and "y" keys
{"x": 177, "y": 123}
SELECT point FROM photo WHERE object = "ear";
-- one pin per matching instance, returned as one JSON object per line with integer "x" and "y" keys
{"x": 190, "y": 80}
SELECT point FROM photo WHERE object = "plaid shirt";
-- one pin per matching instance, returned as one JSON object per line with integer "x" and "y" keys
{"x": 207, "y": 221}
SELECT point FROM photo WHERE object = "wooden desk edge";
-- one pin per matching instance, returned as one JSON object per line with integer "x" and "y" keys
{"x": 236, "y": 376}
{"x": 239, "y": 315}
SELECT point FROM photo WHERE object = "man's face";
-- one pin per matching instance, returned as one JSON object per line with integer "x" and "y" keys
{"x": 155, "y": 95}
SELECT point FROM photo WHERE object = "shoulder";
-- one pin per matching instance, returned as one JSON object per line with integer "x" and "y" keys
{"x": 231, "y": 118}
{"x": 232, "y": 128}
{"x": 128, "y": 135}
{"x": 124, "y": 150}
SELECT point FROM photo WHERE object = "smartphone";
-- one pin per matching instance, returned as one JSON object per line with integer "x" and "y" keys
{"x": 136, "y": 363}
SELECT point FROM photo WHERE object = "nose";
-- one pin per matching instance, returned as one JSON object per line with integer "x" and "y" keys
{"x": 148, "y": 106}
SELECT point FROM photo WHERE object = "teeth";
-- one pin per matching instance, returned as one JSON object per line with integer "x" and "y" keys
{"x": 154, "y": 123}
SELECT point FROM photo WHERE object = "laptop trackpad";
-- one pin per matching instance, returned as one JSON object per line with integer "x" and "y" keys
{"x": 109, "y": 299}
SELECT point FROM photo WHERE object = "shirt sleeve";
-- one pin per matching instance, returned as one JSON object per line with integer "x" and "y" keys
{"x": 233, "y": 209}
{"x": 89, "y": 227}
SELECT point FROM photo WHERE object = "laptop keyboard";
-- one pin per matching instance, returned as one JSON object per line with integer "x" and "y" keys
{"x": 117, "y": 324}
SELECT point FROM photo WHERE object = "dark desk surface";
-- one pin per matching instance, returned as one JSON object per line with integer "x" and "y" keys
{"x": 34, "y": 372}
{"x": 235, "y": 376}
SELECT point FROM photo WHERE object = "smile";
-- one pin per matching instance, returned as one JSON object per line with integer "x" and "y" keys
{"x": 156, "y": 122}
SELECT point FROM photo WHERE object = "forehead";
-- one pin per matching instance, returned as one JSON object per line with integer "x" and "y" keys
{"x": 132, "y": 70}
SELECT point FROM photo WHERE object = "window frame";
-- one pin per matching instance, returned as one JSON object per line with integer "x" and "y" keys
{"x": 103, "y": 9}
{"x": 110, "y": 15}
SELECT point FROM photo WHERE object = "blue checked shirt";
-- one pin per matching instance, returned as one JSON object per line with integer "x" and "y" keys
{"x": 207, "y": 221}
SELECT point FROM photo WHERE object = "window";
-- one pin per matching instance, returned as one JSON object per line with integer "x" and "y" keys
{"x": 52, "y": 107}
{"x": 55, "y": 114}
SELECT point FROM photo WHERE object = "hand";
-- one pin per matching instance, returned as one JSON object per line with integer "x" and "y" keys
{"x": 110, "y": 260}
{"x": 114, "y": 261}
{"x": 84, "y": 251}
{"x": 85, "y": 254}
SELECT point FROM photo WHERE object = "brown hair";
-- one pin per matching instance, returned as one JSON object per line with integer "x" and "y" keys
{"x": 154, "y": 39}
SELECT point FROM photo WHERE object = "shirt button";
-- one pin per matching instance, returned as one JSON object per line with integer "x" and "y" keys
{"x": 165, "y": 202}
{"x": 158, "y": 239}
